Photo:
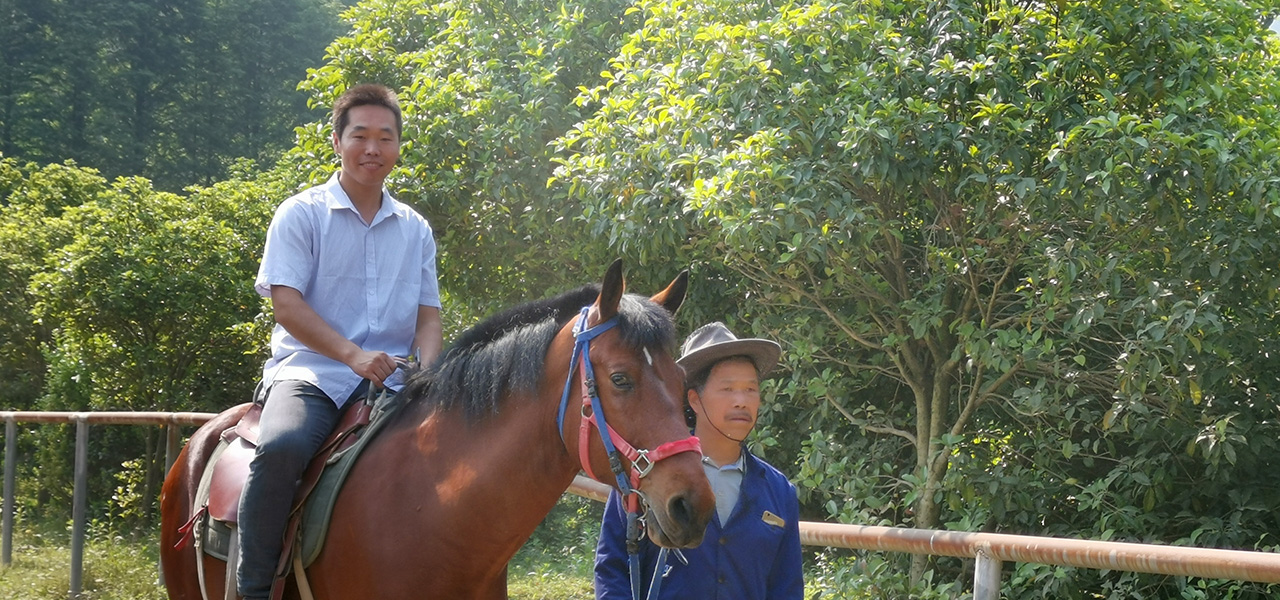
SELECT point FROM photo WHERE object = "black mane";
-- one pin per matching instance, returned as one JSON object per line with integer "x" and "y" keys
{"x": 505, "y": 353}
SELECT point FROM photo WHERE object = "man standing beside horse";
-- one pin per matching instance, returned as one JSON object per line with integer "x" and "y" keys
{"x": 751, "y": 550}
{"x": 351, "y": 273}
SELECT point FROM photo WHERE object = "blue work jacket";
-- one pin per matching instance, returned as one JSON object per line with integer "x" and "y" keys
{"x": 754, "y": 556}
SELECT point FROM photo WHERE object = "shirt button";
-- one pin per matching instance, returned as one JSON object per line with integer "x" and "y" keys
{"x": 724, "y": 541}
{"x": 720, "y": 579}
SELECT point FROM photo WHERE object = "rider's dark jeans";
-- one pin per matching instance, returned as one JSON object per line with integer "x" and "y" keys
{"x": 296, "y": 419}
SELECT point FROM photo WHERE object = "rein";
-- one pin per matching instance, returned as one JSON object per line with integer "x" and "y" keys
{"x": 641, "y": 461}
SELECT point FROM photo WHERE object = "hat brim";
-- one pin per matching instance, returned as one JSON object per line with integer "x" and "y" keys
{"x": 764, "y": 353}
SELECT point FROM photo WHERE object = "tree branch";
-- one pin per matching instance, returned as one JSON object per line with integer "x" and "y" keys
{"x": 872, "y": 428}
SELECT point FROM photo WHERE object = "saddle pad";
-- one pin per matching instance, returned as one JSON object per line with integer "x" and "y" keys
{"x": 318, "y": 507}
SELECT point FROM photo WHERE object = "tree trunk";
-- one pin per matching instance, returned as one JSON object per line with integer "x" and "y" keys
{"x": 931, "y": 453}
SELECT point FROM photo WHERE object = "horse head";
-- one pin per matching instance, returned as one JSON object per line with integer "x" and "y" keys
{"x": 632, "y": 401}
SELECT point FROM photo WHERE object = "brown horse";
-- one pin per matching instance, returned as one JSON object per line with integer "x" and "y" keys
{"x": 444, "y": 497}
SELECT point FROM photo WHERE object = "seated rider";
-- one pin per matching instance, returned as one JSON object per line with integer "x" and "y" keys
{"x": 351, "y": 273}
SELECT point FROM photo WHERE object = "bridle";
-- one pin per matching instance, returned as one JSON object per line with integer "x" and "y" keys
{"x": 641, "y": 461}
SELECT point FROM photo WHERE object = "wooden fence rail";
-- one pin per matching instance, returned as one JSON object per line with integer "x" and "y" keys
{"x": 989, "y": 550}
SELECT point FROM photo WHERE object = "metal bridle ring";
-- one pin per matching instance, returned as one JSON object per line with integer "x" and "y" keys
{"x": 643, "y": 458}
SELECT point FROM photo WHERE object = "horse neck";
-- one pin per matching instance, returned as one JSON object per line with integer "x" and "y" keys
{"x": 520, "y": 438}
{"x": 514, "y": 458}
{"x": 501, "y": 472}
{"x": 461, "y": 494}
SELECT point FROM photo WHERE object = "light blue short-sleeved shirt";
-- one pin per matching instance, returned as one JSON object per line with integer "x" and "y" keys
{"x": 726, "y": 483}
{"x": 365, "y": 281}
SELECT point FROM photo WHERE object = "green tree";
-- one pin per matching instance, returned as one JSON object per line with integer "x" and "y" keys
{"x": 486, "y": 86}
{"x": 1000, "y": 241}
{"x": 172, "y": 90}
{"x": 150, "y": 296}
{"x": 32, "y": 200}
{"x": 134, "y": 300}
{"x": 19, "y": 47}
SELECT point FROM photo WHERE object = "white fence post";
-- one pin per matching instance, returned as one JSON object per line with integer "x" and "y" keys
{"x": 986, "y": 575}
{"x": 80, "y": 503}
{"x": 10, "y": 466}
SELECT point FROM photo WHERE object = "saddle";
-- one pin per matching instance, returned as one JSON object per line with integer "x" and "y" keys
{"x": 217, "y": 507}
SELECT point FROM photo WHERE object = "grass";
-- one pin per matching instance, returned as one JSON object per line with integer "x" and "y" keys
{"x": 115, "y": 568}
{"x": 123, "y": 568}
{"x": 555, "y": 565}
{"x": 550, "y": 573}
{"x": 548, "y": 585}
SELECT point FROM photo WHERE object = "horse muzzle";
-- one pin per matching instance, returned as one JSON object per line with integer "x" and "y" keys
{"x": 680, "y": 521}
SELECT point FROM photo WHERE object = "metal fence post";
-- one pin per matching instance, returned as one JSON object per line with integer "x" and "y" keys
{"x": 986, "y": 575}
{"x": 10, "y": 465}
{"x": 172, "y": 445}
{"x": 80, "y": 503}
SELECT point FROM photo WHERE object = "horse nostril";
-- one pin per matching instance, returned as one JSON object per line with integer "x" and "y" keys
{"x": 680, "y": 510}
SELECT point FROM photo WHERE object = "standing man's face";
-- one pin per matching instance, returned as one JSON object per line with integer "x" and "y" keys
{"x": 369, "y": 147}
{"x": 729, "y": 401}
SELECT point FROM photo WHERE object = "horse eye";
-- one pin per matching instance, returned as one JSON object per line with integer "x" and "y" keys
{"x": 621, "y": 381}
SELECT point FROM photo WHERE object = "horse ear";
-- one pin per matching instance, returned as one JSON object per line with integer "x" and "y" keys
{"x": 611, "y": 291}
{"x": 672, "y": 297}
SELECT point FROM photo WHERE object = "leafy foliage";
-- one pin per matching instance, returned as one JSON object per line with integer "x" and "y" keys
{"x": 172, "y": 91}
{"x": 33, "y": 200}
{"x": 1022, "y": 256}
{"x": 137, "y": 294}
{"x": 486, "y": 86}
{"x": 126, "y": 298}
{"x": 992, "y": 235}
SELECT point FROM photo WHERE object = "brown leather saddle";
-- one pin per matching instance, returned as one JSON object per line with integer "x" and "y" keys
{"x": 232, "y": 467}
{"x": 217, "y": 507}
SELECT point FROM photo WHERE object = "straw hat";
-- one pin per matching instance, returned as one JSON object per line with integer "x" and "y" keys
{"x": 714, "y": 342}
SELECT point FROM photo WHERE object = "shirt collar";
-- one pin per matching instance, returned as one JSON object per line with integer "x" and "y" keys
{"x": 336, "y": 198}
{"x": 737, "y": 465}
